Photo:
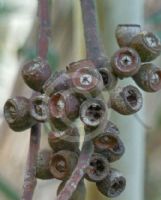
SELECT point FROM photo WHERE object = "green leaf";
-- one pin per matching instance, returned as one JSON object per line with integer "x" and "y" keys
{"x": 8, "y": 190}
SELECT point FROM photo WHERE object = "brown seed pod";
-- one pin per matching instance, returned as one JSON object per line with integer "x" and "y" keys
{"x": 35, "y": 73}
{"x": 42, "y": 164}
{"x": 109, "y": 79}
{"x": 67, "y": 140}
{"x": 109, "y": 144}
{"x": 60, "y": 81}
{"x": 63, "y": 109}
{"x": 39, "y": 108}
{"x": 149, "y": 77}
{"x": 85, "y": 81}
{"x": 62, "y": 164}
{"x": 79, "y": 193}
{"x": 64, "y": 104}
{"x": 74, "y": 66}
{"x": 126, "y": 100}
{"x": 125, "y": 32}
{"x": 98, "y": 168}
{"x": 125, "y": 62}
{"x": 93, "y": 112}
{"x": 113, "y": 185}
{"x": 17, "y": 113}
{"x": 147, "y": 44}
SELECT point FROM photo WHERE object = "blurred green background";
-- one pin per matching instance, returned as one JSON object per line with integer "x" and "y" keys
{"x": 18, "y": 38}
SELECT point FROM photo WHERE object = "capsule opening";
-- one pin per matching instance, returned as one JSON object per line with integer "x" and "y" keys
{"x": 39, "y": 107}
{"x": 152, "y": 40}
{"x": 117, "y": 186}
{"x": 58, "y": 166}
{"x": 94, "y": 112}
{"x": 105, "y": 77}
{"x": 98, "y": 165}
{"x": 155, "y": 80}
{"x": 10, "y": 111}
{"x": 57, "y": 105}
{"x": 132, "y": 97}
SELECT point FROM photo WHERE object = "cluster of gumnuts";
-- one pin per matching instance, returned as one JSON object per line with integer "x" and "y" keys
{"x": 76, "y": 92}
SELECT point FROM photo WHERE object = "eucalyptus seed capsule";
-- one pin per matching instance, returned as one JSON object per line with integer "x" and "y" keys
{"x": 147, "y": 44}
{"x": 63, "y": 109}
{"x": 62, "y": 164}
{"x": 125, "y": 32}
{"x": 79, "y": 193}
{"x": 60, "y": 81}
{"x": 74, "y": 66}
{"x": 35, "y": 73}
{"x": 17, "y": 113}
{"x": 39, "y": 108}
{"x": 93, "y": 112}
{"x": 42, "y": 164}
{"x": 113, "y": 185}
{"x": 109, "y": 144}
{"x": 125, "y": 62}
{"x": 65, "y": 104}
{"x": 98, "y": 168}
{"x": 149, "y": 77}
{"x": 67, "y": 140}
{"x": 126, "y": 100}
{"x": 86, "y": 81}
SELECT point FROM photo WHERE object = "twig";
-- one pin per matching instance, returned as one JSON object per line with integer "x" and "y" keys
{"x": 30, "y": 179}
{"x": 78, "y": 173}
{"x": 93, "y": 42}
{"x": 44, "y": 28}
{"x": 44, "y": 32}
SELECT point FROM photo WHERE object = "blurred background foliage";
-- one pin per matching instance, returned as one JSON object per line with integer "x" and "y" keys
{"x": 18, "y": 38}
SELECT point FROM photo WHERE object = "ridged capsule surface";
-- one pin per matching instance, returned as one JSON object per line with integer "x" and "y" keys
{"x": 62, "y": 164}
{"x": 113, "y": 185}
{"x": 125, "y": 32}
{"x": 149, "y": 77}
{"x": 125, "y": 62}
{"x": 147, "y": 44}
{"x": 66, "y": 140}
{"x": 42, "y": 164}
{"x": 17, "y": 113}
{"x": 98, "y": 168}
{"x": 108, "y": 143}
{"x": 126, "y": 100}
{"x": 35, "y": 73}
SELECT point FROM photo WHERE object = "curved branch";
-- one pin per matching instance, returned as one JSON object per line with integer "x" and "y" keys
{"x": 44, "y": 28}
{"x": 30, "y": 179}
{"x": 78, "y": 173}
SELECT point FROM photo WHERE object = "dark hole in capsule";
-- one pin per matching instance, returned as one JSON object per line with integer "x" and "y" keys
{"x": 60, "y": 165}
{"x": 105, "y": 77}
{"x": 116, "y": 186}
{"x": 125, "y": 61}
{"x": 10, "y": 113}
{"x": 132, "y": 98}
{"x": 39, "y": 107}
{"x": 94, "y": 112}
{"x": 98, "y": 166}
